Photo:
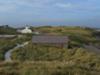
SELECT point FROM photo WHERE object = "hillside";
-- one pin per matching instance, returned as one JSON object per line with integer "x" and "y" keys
{"x": 50, "y": 60}
{"x": 7, "y": 30}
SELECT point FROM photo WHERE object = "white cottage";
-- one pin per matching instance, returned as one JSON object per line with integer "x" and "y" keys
{"x": 26, "y": 30}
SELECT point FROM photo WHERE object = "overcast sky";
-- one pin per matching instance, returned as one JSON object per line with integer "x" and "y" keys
{"x": 50, "y": 12}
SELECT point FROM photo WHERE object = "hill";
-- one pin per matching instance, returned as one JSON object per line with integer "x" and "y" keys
{"x": 7, "y": 30}
{"x": 47, "y": 60}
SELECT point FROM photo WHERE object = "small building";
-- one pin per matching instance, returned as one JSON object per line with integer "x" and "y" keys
{"x": 25, "y": 31}
{"x": 52, "y": 40}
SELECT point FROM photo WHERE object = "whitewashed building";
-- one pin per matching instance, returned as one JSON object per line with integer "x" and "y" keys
{"x": 25, "y": 31}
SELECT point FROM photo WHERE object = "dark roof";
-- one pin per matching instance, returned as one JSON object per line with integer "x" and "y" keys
{"x": 50, "y": 39}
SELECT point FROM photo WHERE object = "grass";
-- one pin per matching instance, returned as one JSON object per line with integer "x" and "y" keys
{"x": 48, "y": 68}
{"x": 48, "y": 60}
{"x": 6, "y": 44}
{"x": 48, "y": 53}
{"x": 77, "y": 35}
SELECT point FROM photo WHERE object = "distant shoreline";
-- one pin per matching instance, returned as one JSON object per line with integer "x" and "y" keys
{"x": 21, "y": 26}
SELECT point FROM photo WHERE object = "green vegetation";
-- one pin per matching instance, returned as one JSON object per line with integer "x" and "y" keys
{"x": 80, "y": 64}
{"x": 7, "y": 30}
{"x": 47, "y": 60}
{"x": 6, "y": 44}
{"x": 47, "y": 53}
{"x": 77, "y": 35}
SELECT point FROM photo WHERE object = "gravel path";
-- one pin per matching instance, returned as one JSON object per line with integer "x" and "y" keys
{"x": 8, "y": 53}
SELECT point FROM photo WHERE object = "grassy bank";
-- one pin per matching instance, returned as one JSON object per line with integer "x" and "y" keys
{"x": 47, "y": 60}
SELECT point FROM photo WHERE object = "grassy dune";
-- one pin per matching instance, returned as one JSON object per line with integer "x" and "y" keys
{"x": 48, "y": 68}
{"x": 47, "y": 60}
{"x": 6, "y": 44}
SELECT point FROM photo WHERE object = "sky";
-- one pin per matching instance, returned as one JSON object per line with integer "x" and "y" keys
{"x": 50, "y": 12}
